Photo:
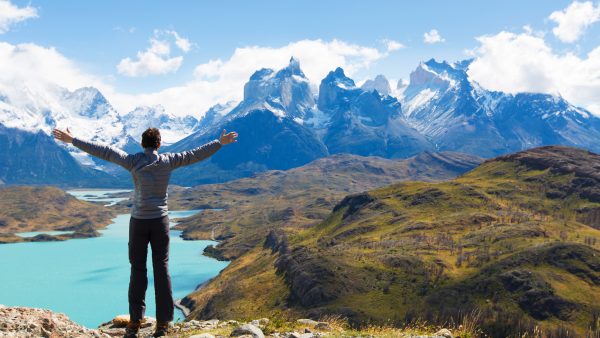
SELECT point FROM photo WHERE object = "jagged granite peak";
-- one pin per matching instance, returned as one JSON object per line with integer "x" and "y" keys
{"x": 364, "y": 122}
{"x": 288, "y": 88}
{"x": 293, "y": 68}
{"x": 336, "y": 89}
{"x": 338, "y": 77}
{"x": 435, "y": 75}
{"x": 380, "y": 83}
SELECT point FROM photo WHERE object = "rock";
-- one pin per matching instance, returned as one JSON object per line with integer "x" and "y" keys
{"x": 207, "y": 324}
{"x": 300, "y": 335}
{"x": 444, "y": 333}
{"x": 247, "y": 329}
{"x": 202, "y": 335}
{"x": 323, "y": 326}
{"x": 31, "y": 322}
{"x": 309, "y": 322}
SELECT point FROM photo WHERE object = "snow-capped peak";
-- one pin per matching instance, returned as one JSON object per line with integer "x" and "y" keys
{"x": 338, "y": 78}
{"x": 172, "y": 128}
{"x": 289, "y": 87}
{"x": 87, "y": 101}
{"x": 380, "y": 83}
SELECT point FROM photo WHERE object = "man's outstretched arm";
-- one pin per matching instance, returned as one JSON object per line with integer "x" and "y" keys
{"x": 202, "y": 152}
{"x": 104, "y": 152}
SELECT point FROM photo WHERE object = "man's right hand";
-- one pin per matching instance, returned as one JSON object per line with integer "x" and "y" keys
{"x": 64, "y": 136}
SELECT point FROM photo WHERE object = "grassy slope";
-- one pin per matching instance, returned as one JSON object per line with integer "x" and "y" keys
{"x": 297, "y": 198}
{"x": 35, "y": 208}
{"x": 486, "y": 239}
{"x": 293, "y": 200}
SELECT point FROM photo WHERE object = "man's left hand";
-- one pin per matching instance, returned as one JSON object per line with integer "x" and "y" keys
{"x": 228, "y": 138}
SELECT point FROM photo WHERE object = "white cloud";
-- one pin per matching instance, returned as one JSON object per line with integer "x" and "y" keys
{"x": 222, "y": 80}
{"x": 183, "y": 43}
{"x": 573, "y": 20}
{"x": 33, "y": 77}
{"x": 11, "y": 14}
{"x": 157, "y": 58}
{"x": 392, "y": 45}
{"x": 433, "y": 36}
{"x": 525, "y": 63}
{"x": 30, "y": 71}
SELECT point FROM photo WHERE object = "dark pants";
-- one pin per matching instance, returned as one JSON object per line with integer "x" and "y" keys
{"x": 156, "y": 232}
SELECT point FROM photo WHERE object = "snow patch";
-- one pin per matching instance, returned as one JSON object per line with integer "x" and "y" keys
{"x": 422, "y": 98}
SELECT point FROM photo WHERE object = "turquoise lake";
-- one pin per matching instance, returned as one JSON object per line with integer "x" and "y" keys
{"x": 87, "y": 279}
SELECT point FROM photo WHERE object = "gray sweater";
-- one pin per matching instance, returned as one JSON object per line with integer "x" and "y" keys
{"x": 150, "y": 171}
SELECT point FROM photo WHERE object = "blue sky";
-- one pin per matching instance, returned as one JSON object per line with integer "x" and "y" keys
{"x": 96, "y": 36}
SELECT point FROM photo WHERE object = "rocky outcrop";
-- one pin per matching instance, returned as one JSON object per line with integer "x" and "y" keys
{"x": 31, "y": 322}
{"x": 26, "y": 322}
{"x": 561, "y": 160}
{"x": 354, "y": 202}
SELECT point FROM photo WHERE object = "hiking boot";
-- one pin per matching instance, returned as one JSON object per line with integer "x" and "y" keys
{"x": 162, "y": 329}
{"x": 132, "y": 329}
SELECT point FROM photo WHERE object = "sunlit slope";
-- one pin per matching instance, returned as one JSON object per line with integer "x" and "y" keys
{"x": 516, "y": 237}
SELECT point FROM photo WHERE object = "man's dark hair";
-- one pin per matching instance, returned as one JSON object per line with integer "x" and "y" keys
{"x": 151, "y": 138}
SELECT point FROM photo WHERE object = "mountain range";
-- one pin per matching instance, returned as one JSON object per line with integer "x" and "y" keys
{"x": 282, "y": 124}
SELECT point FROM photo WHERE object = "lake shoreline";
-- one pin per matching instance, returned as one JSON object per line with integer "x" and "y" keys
{"x": 189, "y": 267}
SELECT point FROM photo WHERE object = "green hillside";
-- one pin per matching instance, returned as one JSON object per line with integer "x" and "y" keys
{"x": 298, "y": 198}
{"x": 44, "y": 208}
{"x": 510, "y": 245}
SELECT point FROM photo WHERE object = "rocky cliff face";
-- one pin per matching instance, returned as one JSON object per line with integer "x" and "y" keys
{"x": 365, "y": 122}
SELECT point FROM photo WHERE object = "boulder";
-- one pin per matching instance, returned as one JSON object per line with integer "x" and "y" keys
{"x": 247, "y": 329}
{"x": 202, "y": 335}
{"x": 444, "y": 333}
{"x": 323, "y": 326}
{"x": 308, "y": 322}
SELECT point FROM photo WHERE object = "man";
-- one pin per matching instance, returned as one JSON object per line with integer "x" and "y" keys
{"x": 149, "y": 222}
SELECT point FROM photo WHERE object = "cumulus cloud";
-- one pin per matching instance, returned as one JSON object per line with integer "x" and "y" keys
{"x": 11, "y": 14}
{"x": 392, "y": 45}
{"x": 31, "y": 73}
{"x": 34, "y": 77}
{"x": 433, "y": 36}
{"x": 222, "y": 80}
{"x": 573, "y": 20}
{"x": 526, "y": 63}
{"x": 183, "y": 43}
{"x": 156, "y": 59}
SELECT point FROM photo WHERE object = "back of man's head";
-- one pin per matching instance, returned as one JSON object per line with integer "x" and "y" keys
{"x": 151, "y": 138}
